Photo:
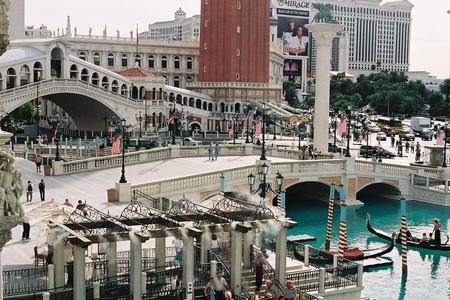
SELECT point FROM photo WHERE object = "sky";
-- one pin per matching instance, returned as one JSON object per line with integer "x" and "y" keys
{"x": 430, "y": 37}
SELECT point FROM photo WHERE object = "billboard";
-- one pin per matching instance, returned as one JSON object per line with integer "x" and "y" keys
{"x": 292, "y": 33}
{"x": 292, "y": 71}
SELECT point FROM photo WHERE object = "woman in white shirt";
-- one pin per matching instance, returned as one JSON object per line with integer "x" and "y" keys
{"x": 215, "y": 244}
{"x": 298, "y": 45}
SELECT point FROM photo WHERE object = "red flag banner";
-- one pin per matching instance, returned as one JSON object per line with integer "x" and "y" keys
{"x": 440, "y": 138}
{"x": 116, "y": 145}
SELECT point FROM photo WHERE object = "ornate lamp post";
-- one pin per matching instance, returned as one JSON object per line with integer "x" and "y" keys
{"x": 335, "y": 116}
{"x": 444, "y": 163}
{"x": 349, "y": 120}
{"x": 122, "y": 178}
{"x": 247, "y": 110}
{"x": 172, "y": 121}
{"x": 263, "y": 149}
{"x": 263, "y": 186}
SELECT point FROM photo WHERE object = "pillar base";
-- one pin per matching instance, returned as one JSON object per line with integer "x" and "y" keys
{"x": 123, "y": 192}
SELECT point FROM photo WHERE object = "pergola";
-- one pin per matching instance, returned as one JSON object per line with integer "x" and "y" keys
{"x": 185, "y": 220}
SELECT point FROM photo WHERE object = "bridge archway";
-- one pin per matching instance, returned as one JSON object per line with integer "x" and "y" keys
{"x": 57, "y": 62}
{"x": 85, "y": 75}
{"x": 11, "y": 78}
{"x": 74, "y": 71}
{"x": 379, "y": 189}
{"x": 37, "y": 71}
{"x": 25, "y": 75}
{"x": 308, "y": 191}
{"x": 95, "y": 79}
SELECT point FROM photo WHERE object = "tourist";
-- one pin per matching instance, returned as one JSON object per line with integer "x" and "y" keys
{"x": 418, "y": 155}
{"x": 392, "y": 142}
{"x": 26, "y": 227}
{"x": 259, "y": 269}
{"x": 228, "y": 295}
{"x": 289, "y": 291}
{"x": 424, "y": 239}
{"x": 210, "y": 152}
{"x": 38, "y": 162}
{"x": 255, "y": 295}
{"x": 271, "y": 289}
{"x": 82, "y": 206}
{"x": 412, "y": 148}
{"x": 209, "y": 289}
{"x": 409, "y": 236}
{"x": 42, "y": 189}
{"x": 176, "y": 288}
{"x": 430, "y": 238}
{"x": 220, "y": 286}
{"x": 437, "y": 232}
{"x": 29, "y": 192}
{"x": 216, "y": 151}
{"x": 67, "y": 203}
{"x": 215, "y": 245}
{"x": 178, "y": 245}
{"x": 407, "y": 147}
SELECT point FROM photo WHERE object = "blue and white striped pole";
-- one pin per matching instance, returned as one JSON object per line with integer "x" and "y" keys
{"x": 330, "y": 216}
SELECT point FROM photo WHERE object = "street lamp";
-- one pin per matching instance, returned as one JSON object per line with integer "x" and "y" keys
{"x": 335, "y": 130}
{"x": 172, "y": 121}
{"x": 349, "y": 120}
{"x": 263, "y": 149}
{"x": 367, "y": 132}
{"x": 139, "y": 119}
{"x": 444, "y": 163}
{"x": 263, "y": 186}
{"x": 122, "y": 178}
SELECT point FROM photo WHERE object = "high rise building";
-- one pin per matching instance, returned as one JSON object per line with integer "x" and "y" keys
{"x": 16, "y": 16}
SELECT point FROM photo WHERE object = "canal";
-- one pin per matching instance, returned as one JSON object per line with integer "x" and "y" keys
{"x": 429, "y": 271}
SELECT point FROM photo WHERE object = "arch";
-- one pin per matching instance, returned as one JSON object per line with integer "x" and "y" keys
{"x": 380, "y": 189}
{"x": 210, "y": 107}
{"x": 95, "y": 79}
{"x": 124, "y": 90}
{"x": 85, "y": 75}
{"x": 198, "y": 104}
{"x": 74, "y": 71}
{"x": 185, "y": 101}
{"x": 189, "y": 79}
{"x": 309, "y": 190}
{"x": 57, "y": 60}
{"x": 111, "y": 60}
{"x": 160, "y": 120}
{"x": 97, "y": 59}
{"x": 25, "y": 75}
{"x": 195, "y": 125}
{"x": 237, "y": 108}
{"x": 189, "y": 63}
{"x": 154, "y": 119}
{"x": 135, "y": 92}
{"x": 179, "y": 98}
{"x": 151, "y": 62}
{"x": 142, "y": 93}
{"x": 222, "y": 107}
{"x": 114, "y": 86}
{"x": 176, "y": 62}
{"x": 230, "y": 107}
{"x": 105, "y": 83}
{"x": 82, "y": 55}
{"x": 191, "y": 102}
{"x": 11, "y": 76}
{"x": 164, "y": 62}
{"x": 176, "y": 81}
{"x": 205, "y": 106}
{"x": 37, "y": 71}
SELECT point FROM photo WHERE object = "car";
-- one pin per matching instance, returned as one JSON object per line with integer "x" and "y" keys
{"x": 376, "y": 129}
{"x": 381, "y": 136}
{"x": 188, "y": 141}
{"x": 332, "y": 147}
{"x": 391, "y": 133}
{"x": 366, "y": 151}
{"x": 406, "y": 135}
{"x": 381, "y": 152}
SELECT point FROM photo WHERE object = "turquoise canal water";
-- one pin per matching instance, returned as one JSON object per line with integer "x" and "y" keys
{"x": 428, "y": 271}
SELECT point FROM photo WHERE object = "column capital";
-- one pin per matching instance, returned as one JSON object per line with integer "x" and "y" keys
{"x": 324, "y": 33}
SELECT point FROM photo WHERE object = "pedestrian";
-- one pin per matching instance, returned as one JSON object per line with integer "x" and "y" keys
{"x": 176, "y": 288}
{"x": 289, "y": 291}
{"x": 178, "y": 245}
{"x": 209, "y": 289}
{"x": 271, "y": 289}
{"x": 392, "y": 142}
{"x": 255, "y": 295}
{"x": 418, "y": 155}
{"x": 210, "y": 152}
{"x": 42, "y": 189}
{"x": 82, "y": 206}
{"x": 67, "y": 203}
{"x": 38, "y": 162}
{"x": 417, "y": 146}
{"x": 29, "y": 192}
{"x": 220, "y": 286}
{"x": 412, "y": 147}
{"x": 407, "y": 147}
{"x": 216, "y": 151}
{"x": 437, "y": 232}
{"x": 26, "y": 227}
{"x": 259, "y": 269}
{"x": 215, "y": 245}
{"x": 228, "y": 295}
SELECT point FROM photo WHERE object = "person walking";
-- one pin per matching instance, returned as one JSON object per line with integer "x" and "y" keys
{"x": 176, "y": 288}
{"x": 216, "y": 151}
{"x": 259, "y": 269}
{"x": 289, "y": 291}
{"x": 209, "y": 289}
{"x": 38, "y": 162}
{"x": 26, "y": 227}
{"x": 215, "y": 245}
{"x": 42, "y": 189}
{"x": 220, "y": 286}
{"x": 210, "y": 152}
{"x": 29, "y": 192}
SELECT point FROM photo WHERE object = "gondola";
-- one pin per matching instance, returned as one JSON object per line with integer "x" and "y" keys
{"x": 384, "y": 235}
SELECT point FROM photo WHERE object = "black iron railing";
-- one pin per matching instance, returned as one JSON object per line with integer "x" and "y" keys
{"x": 24, "y": 281}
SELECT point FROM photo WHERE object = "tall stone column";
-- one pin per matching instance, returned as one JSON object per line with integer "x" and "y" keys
{"x": 58, "y": 262}
{"x": 204, "y": 246}
{"x": 4, "y": 25}
{"x": 236, "y": 262}
{"x": 136, "y": 268}
{"x": 111, "y": 256}
{"x": 188, "y": 261}
{"x": 160, "y": 251}
{"x": 249, "y": 238}
{"x": 280, "y": 258}
{"x": 79, "y": 273}
{"x": 323, "y": 34}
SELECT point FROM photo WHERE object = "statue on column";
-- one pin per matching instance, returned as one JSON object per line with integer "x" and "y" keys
{"x": 75, "y": 30}
{"x": 324, "y": 13}
{"x": 118, "y": 33}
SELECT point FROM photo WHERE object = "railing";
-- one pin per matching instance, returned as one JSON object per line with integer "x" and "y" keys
{"x": 24, "y": 281}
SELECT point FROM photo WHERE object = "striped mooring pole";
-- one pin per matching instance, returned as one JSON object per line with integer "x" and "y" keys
{"x": 343, "y": 223}
{"x": 403, "y": 230}
{"x": 330, "y": 216}
{"x": 70, "y": 153}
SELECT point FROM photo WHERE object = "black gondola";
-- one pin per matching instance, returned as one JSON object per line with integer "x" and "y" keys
{"x": 384, "y": 235}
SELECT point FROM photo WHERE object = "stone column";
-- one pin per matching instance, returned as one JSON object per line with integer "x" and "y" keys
{"x": 58, "y": 261}
{"x": 111, "y": 258}
{"x": 160, "y": 251}
{"x": 323, "y": 33}
{"x": 188, "y": 261}
{"x": 204, "y": 246}
{"x": 249, "y": 237}
{"x": 135, "y": 268}
{"x": 236, "y": 262}
{"x": 280, "y": 258}
{"x": 79, "y": 276}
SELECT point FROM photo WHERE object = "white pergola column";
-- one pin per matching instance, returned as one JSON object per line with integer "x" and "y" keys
{"x": 79, "y": 276}
{"x": 160, "y": 251}
{"x": 188, "y": 260}
{"x": 249, "y": 237}
{"x": 58, "y": 262}
{"x": 135, "y": 268}
{"x": 111, "y": 258}
{"x": 1, "y": 276}
{"x": 236, "y": 262}
{"x": 280, "y": 258}
{"x": 204, "y": 246}
{"x": 323, "y": 33}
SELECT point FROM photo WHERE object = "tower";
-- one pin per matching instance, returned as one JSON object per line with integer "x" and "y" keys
{"x": 4, "y": 25}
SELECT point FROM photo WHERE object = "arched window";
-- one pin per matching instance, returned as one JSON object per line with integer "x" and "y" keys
{"x": 95, "y": 79}
{"x": 198, "y": 104}
{"x": 82, "y": 55}
{"x": 11, "y": 78}
{"x": 114, "y": 86}
{"x": 142, "y": 93}
{"x": 176, "y": 62}
{"x": 105, "y": 82}
{"x": 135, "y": 92}
{"x": 110, "y": 60}
{"x": 74, "y": 72}
{"x": 237, "y": 108}
{"x": 222, "y": 107}
{"x": 124, "y": 60}
{"x": 185, "y": 101}
{"x": 188, "y": 79}
{"x": 164, "y": 62}
{"x": 210, "y": 107}
{"x": 179, "y": 98}
{"x": 37, "y": 71}
{"x": 176, "y": 81}
{"x": 85, "y": 75}
{"x": 204, "y": 106}
{"x": 151, "y": 62}
{"x": 189, "y": 63}
{"x": 97, "y": 59}
{"x": 25, "y": 75}
{"x": 124, "y": 90}
{"x": 137, "y": 61}
{"x": 191, "y": 102}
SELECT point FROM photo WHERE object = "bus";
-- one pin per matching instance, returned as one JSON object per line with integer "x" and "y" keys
{"x": 395, "y": 124}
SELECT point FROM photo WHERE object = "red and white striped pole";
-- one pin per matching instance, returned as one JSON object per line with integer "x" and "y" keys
{"x": 403, "y": 236}
{"x": 343, "y": 223}
{"x": 330, "y": 217}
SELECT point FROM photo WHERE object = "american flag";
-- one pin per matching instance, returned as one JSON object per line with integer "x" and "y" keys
{"x": 440, "y": 138}
{"x": 342, "y": 127}
{"x": 258, "y": 128}
{"x": 55, "y": 135}
{"x": 116, "y": 145}
{"x": 231, "y": 131}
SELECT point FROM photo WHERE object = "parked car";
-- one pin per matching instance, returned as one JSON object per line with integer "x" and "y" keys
{"x": 364, "y": 149}
{"x": 406, "y": 135}
{"x": 336, "y": 149}
{"x": 381, "y": 136}
{"x": 380, "y": 151}
{"x": 188, "y": 141}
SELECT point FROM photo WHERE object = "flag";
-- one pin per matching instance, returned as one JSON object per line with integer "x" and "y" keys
{"x": 231, "y": 132}
{"x": 342, "y": 127}
{"x": 116, "y": 145}
{"x": 440, "y": 138}
{"x": 258, "y": 128}
{"x": 55, "y": 135}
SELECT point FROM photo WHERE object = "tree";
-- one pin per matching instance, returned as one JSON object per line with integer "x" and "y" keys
{"x": 290, "y": 94}
{"x": 445, "y": 89}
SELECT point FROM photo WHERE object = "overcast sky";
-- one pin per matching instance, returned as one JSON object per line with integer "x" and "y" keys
{"x": 430, "y": 39}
